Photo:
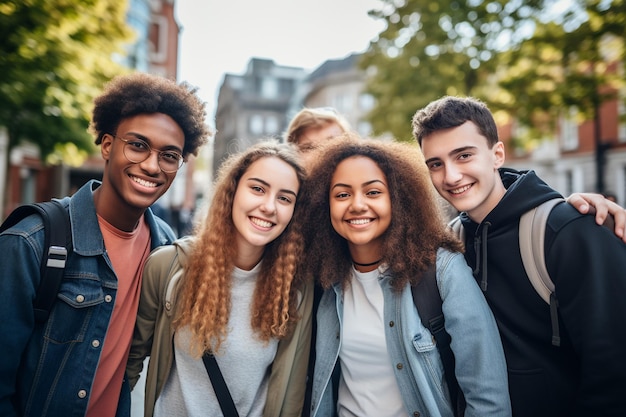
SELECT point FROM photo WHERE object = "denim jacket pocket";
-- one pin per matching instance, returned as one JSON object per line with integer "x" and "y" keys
{"x": 74, "y": 307}
{"x": 424, "y": 341}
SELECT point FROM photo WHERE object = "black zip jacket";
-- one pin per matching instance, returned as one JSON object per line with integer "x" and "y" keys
{"x": 586, "y": 375}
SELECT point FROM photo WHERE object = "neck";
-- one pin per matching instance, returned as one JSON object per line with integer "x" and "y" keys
{"x": 367, "y": 264}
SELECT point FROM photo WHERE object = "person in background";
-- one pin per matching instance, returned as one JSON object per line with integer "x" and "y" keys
{"x": 230, "y": 290}
{"x": 74, "y": 363}
{"x": 312, "y": 127}
{"x": 586, "y": 374}
{"x": 373, "y": 226}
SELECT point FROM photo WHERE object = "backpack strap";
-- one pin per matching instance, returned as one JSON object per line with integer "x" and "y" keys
{"x": 428, "y": 301}
{"x": 532, "y": 231}
{"x": 457, "y": 228}
{"x": 57, "y": 244}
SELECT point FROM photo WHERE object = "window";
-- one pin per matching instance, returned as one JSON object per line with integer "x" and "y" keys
{"x": 366, "y": 102}
{"x": 255, "y": 124}
{"x": 271, "y": 125}
{"x": 269, "y": 88}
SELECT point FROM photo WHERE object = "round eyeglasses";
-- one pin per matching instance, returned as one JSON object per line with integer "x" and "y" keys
{"x": 137, "y": 151}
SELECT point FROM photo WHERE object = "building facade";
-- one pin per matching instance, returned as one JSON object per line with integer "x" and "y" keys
{"x": 253, "y": 106}
{"x": 574, "y": 159}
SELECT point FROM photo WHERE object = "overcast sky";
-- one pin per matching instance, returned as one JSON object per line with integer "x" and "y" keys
{"x": 220, "y": 37}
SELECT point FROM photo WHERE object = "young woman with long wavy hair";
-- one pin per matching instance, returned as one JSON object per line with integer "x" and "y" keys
{"x": 230, "y": 290}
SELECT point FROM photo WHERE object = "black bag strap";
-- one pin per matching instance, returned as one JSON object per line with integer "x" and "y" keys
{"x": 219, "y": 386}
{"x": 428, "y": 301}
{"x": 57, "y": 244}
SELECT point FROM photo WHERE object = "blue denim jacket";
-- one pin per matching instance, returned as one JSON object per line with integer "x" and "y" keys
{"x": 480, "y": 364}
{"x": 48, "y": 369}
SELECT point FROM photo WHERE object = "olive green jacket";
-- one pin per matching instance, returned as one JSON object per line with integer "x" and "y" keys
{"x": 154, "y": 336}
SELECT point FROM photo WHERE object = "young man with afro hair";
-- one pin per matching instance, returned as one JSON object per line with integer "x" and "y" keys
{"x": 74, "y": 363}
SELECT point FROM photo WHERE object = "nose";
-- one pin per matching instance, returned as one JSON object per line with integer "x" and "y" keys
{"x": 452, "y": 174}
{"x": 151, "y": 164}
{"x": 269, "y": 204}
{"x": 358, "y": 203}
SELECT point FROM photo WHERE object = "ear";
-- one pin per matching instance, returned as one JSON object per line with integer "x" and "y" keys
{"x": 498, "y": 154}
{"x": 106, "y": 145}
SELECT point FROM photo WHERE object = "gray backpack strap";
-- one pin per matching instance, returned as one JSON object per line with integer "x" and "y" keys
{"x": 457, "y": 228}
{"x": 532, "y": 232}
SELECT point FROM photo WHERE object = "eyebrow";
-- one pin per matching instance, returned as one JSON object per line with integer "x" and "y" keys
{"x": 362, "y": 185}
{"x": 267, "y": 184}
{"x": 149, "y": 142}
{"x": 452, "y": 152}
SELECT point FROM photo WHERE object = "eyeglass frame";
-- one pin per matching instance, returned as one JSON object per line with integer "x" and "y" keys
{"x": 150, "y": 149}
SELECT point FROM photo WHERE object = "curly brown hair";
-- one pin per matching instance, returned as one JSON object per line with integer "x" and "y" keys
{"x": 417, "y": 227}
{"x": 139, "y": 93}
{"x": 205, "y": 295}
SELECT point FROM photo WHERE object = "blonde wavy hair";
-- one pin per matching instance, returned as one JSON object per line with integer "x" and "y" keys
{"x": 205, "y": 294}
{"x": 315, "y": 117}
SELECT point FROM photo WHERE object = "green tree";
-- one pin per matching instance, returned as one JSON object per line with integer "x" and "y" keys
{"x": 433, "y": 48}
{"x": 54, "y": 57}
{"x": 571, "y": 65}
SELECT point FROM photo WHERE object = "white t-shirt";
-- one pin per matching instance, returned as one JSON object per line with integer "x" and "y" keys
{"x": 245, "y": 362}
{"x": 367, "y": 386}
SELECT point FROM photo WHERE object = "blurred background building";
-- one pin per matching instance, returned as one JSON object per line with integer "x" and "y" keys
{"x": 154, "y": 50}
{"x": 260, "y": 102}
{"x": 568, "y": 161}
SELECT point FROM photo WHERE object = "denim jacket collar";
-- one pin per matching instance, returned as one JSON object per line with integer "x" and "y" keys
{"x": 86, "y": 236}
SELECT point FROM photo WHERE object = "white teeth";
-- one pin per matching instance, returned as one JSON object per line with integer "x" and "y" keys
{"x": 460, "y": 190}
{"x": 144, "y": 182}
{"x": 261, "y": 223}
{"x": 360, "y": 221}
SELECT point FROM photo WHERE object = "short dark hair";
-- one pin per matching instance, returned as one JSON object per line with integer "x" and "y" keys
{"x": 449, "y": 112}
{"x": 140, "y": 93}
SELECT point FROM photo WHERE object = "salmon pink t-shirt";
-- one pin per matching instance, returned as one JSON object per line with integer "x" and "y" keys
{"x": 128, "y": 253}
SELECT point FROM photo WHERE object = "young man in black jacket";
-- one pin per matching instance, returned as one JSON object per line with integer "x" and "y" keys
{"x": 586, "y": 374}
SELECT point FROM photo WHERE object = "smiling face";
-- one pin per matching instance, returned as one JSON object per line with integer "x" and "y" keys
{"x": 263, "y": 204}
{"x": 360, "y": 206}
{"x": 128, "y": 188}
{"x": 464, "y": 170}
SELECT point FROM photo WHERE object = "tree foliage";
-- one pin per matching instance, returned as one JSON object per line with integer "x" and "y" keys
{"x": 571, "y": 62}
{"x": 531, "y": 58}
{"x": 54, "y": 57}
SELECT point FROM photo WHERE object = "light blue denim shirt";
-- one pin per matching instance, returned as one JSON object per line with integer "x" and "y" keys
{"x": 480, "y": 365}
{"x": 48, "y": 369}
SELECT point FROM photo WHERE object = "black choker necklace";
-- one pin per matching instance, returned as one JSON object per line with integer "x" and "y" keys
{"x": 370, "y": 264}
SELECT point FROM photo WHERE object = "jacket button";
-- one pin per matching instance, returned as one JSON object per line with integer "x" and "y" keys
{"x": 80, "y": 298}
{"x": 416, "y": 414}
{"x": 108, "y": 298}
{"x": 82, "y": 393}
{"x": 95, "y": 343}
{"x": 391, "y": 324}
{"x": 399, "y": 366}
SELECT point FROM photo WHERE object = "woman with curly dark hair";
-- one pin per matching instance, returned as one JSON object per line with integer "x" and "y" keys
{"x": 373, "y": 227}
{"x": 230, "y": 290}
